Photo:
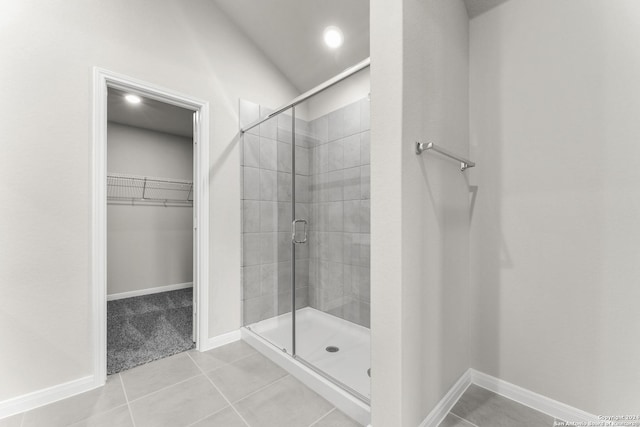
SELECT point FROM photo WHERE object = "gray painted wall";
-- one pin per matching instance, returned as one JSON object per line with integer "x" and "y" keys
{"x": 420, "y": 207}
{"x": 148, "y": 246}
{"x": 46, "y": 211}
{"x": 555, "y": 230}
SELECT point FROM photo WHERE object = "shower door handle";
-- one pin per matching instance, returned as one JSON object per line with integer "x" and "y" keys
{"x": 293, "y": 231}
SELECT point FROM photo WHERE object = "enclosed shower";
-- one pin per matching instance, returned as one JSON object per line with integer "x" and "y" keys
{"x": 306, "y": 233}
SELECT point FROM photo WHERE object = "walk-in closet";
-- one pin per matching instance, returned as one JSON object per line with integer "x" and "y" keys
{"x": 150, "y": 197}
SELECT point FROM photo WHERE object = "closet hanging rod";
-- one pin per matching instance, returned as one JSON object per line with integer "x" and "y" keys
{"x": 421, "y": 147}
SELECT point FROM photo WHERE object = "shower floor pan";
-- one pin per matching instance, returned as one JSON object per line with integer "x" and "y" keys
{"x": 316, "y": 334}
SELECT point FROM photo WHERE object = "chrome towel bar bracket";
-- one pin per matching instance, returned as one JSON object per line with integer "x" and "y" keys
{"x": 421, "y": 147}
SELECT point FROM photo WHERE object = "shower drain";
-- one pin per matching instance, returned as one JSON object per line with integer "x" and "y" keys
{"x": 332, "y": 349}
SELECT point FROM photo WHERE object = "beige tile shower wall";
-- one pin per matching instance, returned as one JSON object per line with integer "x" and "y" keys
{"x": 266, "y": 214}
{"x": 339, "y": 278}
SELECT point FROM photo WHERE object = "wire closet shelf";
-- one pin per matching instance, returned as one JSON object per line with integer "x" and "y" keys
{"x": 125, "y": 188}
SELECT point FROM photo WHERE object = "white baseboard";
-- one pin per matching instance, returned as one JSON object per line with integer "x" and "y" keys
{"x": 516, "y": 393}
{"x": 220, "y": 340}
{"x": 150, "y": 291}
{"x": 528, "y": 398}
{"x": 443, "y": 407}
{"x": 38, "y": 398}
{"x": 52, "y": 394}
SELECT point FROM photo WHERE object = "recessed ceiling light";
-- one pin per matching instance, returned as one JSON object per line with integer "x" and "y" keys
{"x": 134, "y": 99}
{"x": 333, "y": 37}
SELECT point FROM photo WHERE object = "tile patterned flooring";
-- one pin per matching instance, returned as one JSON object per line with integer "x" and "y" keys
{"x": 479, "y": 407}
{"x": 230, "y": 386}
{"x": 235, "y": 386}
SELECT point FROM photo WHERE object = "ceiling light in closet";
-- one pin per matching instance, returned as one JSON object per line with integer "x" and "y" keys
{"x": 133, "y": 99}
{"x": 333, "y": 37}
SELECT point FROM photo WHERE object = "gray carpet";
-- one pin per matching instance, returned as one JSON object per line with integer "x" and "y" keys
{"x": 146, "y": 328}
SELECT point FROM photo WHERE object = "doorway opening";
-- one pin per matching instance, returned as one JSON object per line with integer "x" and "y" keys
{"x": 150, "y": 264}
{"x": 150, "y": 231}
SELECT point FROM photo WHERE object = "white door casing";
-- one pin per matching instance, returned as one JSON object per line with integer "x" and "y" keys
{"x": 102, "y": 80}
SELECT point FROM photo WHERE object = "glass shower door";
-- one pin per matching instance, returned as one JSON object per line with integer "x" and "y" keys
{"x": 306, "y": 238}
{"x": 332, "y": 270}
{"x": 300, "y": 225}
{"x": 267, "y": 223}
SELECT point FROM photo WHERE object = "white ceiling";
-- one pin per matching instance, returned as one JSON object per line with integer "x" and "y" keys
{"x": 289, "y": 32}
{"x": 476, "y": 7}
{"x": 149, "y": 114}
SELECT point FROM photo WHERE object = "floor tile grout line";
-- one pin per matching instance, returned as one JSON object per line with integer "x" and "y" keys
{"x": 262, "y": 388}
{"x": 124, "y": 390}
{"x": 463, "y": 419}
{"x": 204, "y": 418}
{"x": 225, "y": 363}
{"x": 221, "y": 394}
{"x": 231, "y": 363}
{"x": 322, "y": 417}
{"x": 96, "y": 415}
{"x": 165, "y": 387}
{"x": 24, "y": 414}
{"x": 451, "y": 410}
{"x": 202, "y": 372}
{"x": 133, "y": 420}
{"x": 126, "y": 398}
{"x": 207, "y": 416}
{"x": 517, "y": 402}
